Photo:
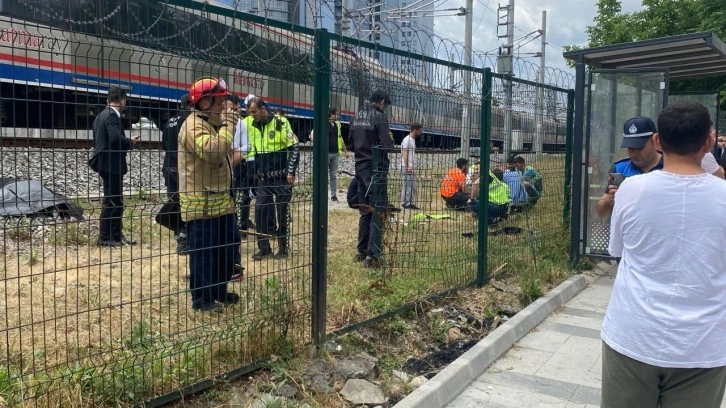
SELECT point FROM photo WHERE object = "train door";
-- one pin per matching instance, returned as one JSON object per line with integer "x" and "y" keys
{"x": 613, "y": 97}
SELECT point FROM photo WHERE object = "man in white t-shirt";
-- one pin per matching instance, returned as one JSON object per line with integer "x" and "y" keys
{"x": 408, "y": 167}
{"x": 664, "y": 332}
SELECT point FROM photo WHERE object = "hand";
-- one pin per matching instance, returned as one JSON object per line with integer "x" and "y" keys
{"x": 611, "y": 194}
{"x": 134, "y": 140}
{"x": 347, "y": 154}
{"x": 291, "y": 179}
{"x": 230, "y": 117}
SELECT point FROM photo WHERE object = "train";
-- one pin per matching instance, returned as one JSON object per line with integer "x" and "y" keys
{"x": 55, "y": 71}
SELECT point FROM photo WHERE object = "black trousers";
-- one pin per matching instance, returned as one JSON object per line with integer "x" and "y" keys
{"x": 113, "y": 207}
{"x": 458, "y": 200}
{"x": 213, "y": 251}
{"x": 171, "y": 180}
{"x": 272, "y": 211}
{"x": 372, "y": 194}
{"x": 243, "y": 192}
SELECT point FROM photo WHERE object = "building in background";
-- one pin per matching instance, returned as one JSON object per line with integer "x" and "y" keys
{"x": 283, "y": 10}
{"x": 406, "y": 25}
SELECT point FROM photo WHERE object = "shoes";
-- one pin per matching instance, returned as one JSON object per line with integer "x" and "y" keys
{"x": 182, "y": 245}
{"x": 230, "y": 298}
{"x": 109, "y": 243}
{"x": 359, "y": 257}
{"x": 334, "y": 198}
{"x": 410, "y": 206}
{"x": 127, "y": 241}
{"x": 239, "y": 273}
{"x": 213, "y": 307}
{"x": 369, "y": 262}
{"x": 281, "y": 254}
{"x": 261, "y": 254}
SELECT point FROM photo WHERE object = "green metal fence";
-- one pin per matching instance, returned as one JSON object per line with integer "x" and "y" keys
{"x": 87, "y": 325}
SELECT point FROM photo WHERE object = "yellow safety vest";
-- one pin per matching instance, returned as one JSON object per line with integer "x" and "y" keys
{"x": 498, "y": 190}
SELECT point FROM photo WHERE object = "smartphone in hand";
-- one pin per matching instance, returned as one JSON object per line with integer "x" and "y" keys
{"x": 615, "y": 179}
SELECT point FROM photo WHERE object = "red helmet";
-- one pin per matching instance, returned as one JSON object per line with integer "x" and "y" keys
{"x": 207, "y": 86}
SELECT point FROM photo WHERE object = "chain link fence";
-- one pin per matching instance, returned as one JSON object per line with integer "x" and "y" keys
{"x": 89, "y": 324}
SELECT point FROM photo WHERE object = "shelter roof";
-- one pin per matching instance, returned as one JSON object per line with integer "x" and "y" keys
{"x": 685, "y": 56}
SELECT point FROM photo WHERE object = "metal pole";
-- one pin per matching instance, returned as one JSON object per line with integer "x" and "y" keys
{"x": 466, "y": 117}
{"x": 321, "y": 102}
{"x": 539, "y": 135}
{"x": 577, "y": 163}
{"x": 568, "y": 157}
{"x": 482, "y": 278}
{"x": 508, "y": 81}
{"x": 338, "y": 6}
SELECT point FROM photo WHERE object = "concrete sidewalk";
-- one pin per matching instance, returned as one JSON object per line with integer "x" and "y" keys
{"x": 549, "y": 354}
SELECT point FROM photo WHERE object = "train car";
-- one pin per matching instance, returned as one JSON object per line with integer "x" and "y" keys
{"x": 53, "y": 79}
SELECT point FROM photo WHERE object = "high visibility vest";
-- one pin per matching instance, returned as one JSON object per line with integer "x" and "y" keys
{"x": 340, "y": 137}
{"x": 498, "y": 190}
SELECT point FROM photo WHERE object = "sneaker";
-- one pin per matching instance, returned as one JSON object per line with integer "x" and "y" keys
{"x": 369, "y": 262}
{"x": 213, "y": 307}
{"x": 261, "y": 254}
{"x": 281, "y": 254}
{"x": 239, "y": 273}
{"x": 334, "y": 198}
{"x": 230, "y": 298}
{"x": 412, "y": 207}
{"x": 359, "y": 257}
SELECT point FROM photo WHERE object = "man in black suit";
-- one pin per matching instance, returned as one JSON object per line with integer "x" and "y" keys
{"x": 111, "y": 146}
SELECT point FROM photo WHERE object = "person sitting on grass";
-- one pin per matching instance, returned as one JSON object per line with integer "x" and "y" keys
{"x": 518, "y": 197}
{"x": 498, "y": 198}
{"x": 531, "y": 179}
{"x": 453, "y": 189}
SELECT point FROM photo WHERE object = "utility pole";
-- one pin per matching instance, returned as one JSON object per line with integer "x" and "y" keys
{"x": 338, "y": 8}
{"x": 468, "y": 107}
{"x": 505, "y": 68}
{"x": 537, "y": 146}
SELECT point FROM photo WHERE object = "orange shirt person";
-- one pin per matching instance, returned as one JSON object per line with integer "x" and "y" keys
{"x": 453, "y": 188}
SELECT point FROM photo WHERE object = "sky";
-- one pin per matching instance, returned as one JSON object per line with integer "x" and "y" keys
{"x": 566, "y": 23}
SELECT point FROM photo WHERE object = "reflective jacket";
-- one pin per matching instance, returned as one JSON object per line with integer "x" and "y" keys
{"x": 498, "y": 190}
{"x": 273, "y": 145}
{"x": 340, "y": 137}
{"x": 205, "y": 168}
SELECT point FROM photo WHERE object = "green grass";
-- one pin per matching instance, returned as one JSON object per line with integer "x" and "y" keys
{"x": 147, "y": 359}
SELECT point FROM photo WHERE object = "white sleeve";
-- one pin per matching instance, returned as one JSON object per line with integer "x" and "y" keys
{"x": 615, "y": 247}
{"x": 709, "y": 164}
{"x": 241, "y": 141}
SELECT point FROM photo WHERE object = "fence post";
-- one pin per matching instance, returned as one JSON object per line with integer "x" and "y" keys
{"x": 577, "y": 162}
{"x": 485, "y": 137}
{"x": 568, "y": 157}
{"x": 321, "y": 102}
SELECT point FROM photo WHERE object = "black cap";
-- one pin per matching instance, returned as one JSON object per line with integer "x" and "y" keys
{"x": 637, "y": 132}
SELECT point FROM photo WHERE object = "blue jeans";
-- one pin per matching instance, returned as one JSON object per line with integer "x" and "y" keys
{"x": 213, "y": 251}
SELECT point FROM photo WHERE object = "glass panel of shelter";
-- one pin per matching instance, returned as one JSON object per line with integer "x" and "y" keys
{"x": 614, "y": 96}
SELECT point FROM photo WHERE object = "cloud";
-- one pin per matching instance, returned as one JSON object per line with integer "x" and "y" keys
{"x": 566, "y": 23}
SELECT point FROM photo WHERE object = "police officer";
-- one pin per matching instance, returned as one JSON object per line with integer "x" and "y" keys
{"x": 170, "y": 142}
{"x": 205, "y": 178}
{"x": 273, "y": 145}
{"x": 369, "y": 129}
{"x": 642, "y": 158}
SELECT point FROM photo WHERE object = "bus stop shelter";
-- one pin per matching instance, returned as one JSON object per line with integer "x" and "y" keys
{"x": 617, "y": 82}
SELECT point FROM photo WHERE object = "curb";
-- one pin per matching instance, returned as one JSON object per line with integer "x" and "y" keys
{"x": 452, "y": 380}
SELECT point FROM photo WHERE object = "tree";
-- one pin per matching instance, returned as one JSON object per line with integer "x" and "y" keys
{"x": 611, "y": 26}
{"x": 661, "y": 18}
